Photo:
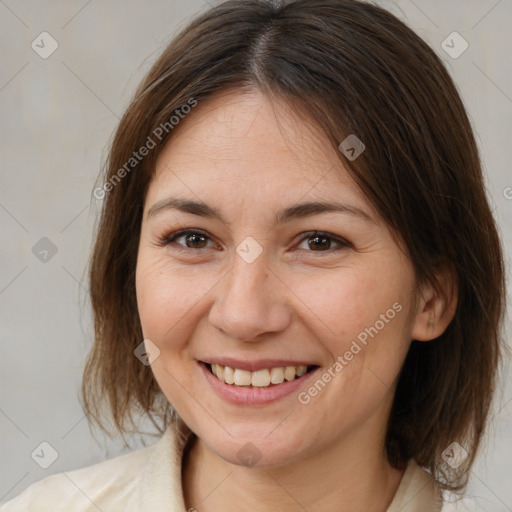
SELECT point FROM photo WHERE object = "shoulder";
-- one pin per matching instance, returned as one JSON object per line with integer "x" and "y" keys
{"x": 113, "y": 484}
{"x": 417, "y": 492}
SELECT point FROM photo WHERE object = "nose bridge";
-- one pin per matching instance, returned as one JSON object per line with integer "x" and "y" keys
{"x": 248, "y": 301}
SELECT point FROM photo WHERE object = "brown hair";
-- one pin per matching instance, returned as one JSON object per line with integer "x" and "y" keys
{"x": 353, "y": 68}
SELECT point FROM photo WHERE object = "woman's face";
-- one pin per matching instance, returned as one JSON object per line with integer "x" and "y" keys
{"x": 258, "y": 290}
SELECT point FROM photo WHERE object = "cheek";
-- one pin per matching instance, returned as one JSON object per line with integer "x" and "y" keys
{"x": 361, "y": 315}
{"x": 341, "y": 303}
{"x": 165, "y": 299}
{"x": 166, "y": 303}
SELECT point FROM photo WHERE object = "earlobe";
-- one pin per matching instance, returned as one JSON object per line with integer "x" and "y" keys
{"x": 436, "y": 307}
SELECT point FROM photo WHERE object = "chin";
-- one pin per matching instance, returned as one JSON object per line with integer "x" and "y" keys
{"x": 252, "y": 449}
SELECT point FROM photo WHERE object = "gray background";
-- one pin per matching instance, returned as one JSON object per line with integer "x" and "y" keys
{"x": 57, "y": 116}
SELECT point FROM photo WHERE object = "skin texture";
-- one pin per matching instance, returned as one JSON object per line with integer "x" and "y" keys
{"x": 249, "y": 158}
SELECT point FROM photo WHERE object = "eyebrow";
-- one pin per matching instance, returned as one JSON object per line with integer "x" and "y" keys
{"x": 292, "y": 212}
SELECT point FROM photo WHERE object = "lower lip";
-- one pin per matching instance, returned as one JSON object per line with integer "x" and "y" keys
{"x": 245, "y": 395}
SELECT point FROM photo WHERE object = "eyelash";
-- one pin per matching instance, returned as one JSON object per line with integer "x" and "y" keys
{"x": 171, "y": 237}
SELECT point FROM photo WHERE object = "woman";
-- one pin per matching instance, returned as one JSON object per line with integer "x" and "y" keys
{"x": 358, "y": 378}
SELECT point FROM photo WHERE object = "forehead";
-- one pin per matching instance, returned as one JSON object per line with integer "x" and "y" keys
{"x": 252, "y": 146}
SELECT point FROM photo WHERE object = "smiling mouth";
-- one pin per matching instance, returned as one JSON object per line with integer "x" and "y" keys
{"x": 268, "y": 377}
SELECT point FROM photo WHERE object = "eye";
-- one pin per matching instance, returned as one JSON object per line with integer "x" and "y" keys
{"x": 193, "y": 239}
{"x": 198, "y": 239}
{"x": 323, "y": 241}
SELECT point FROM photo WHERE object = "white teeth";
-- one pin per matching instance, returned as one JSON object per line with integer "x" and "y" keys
{"x": 218, "y": 370}
{"x": 289, "y": 373}
{"x": 242, "y": 377}
{"x": 260, "y": 378}
{"x": 301, "y": 370}
{"x": 276, "y": 375}
{"x": 229, "y": 375}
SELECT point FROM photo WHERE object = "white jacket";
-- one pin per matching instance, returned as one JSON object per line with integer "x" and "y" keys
{"x": 149, "y": 480}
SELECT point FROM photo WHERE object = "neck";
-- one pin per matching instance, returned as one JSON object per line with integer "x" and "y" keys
{"x": 349, "y": 476}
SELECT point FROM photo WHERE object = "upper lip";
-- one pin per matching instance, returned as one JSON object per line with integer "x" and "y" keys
{"x": 255, "y": 365}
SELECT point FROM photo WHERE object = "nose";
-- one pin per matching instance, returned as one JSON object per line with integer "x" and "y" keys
{"x": 250, "y": 302}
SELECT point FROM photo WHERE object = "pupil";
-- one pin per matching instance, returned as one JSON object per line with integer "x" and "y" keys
{"x": 315, "y": 241}
{"x": 190, "y": 239}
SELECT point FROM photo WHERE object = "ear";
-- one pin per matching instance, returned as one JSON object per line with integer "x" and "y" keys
{"x": 436, "y": 308}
